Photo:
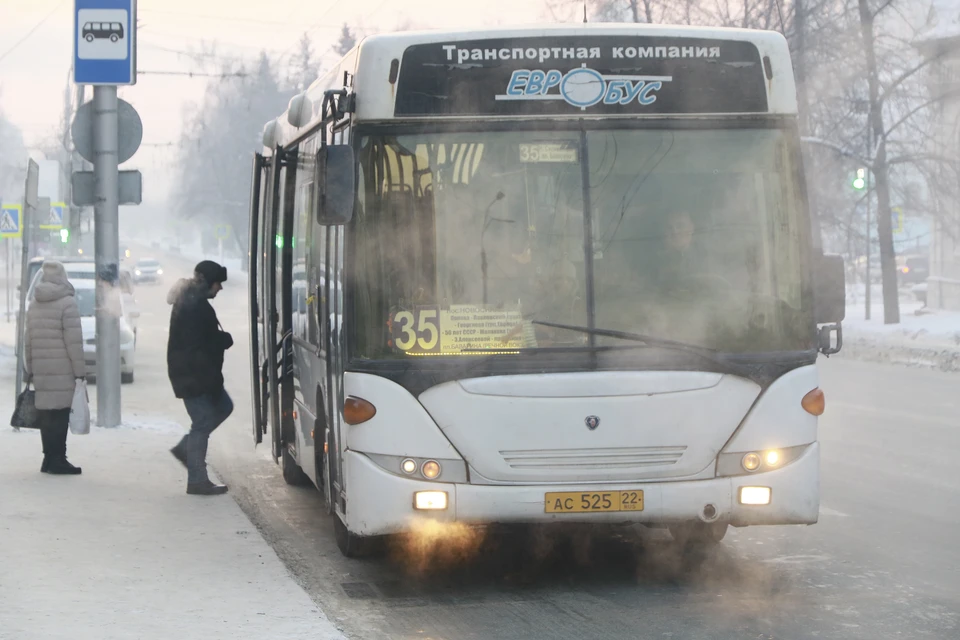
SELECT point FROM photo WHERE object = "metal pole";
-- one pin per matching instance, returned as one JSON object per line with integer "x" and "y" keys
{"x": 26, "y": 218}
{"x": 107, "y": 250}
{"x": 6, "y": 274}
{"x": 867, "y": 271}
{"x": 867, "y": 298}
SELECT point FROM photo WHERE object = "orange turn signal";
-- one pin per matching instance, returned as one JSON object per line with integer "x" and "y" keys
{"x": 357, "y": 410}
{"x": 814, "y": 403}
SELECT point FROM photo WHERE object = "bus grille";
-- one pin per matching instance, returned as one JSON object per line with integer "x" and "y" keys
{"x": 593, "y": 458}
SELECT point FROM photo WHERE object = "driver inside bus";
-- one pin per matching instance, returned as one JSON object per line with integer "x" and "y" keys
{"x": 680, "y": 262}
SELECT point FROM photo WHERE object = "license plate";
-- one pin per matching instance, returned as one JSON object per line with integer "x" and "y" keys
{"x": 592, "y": 501}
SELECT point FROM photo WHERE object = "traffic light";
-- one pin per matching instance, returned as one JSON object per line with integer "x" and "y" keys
{"x": 64, "y": 236}
{"x": 860, "y": 181}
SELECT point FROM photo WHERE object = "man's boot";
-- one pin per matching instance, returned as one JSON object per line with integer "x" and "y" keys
{"x": 198, "y": 482}
{"x": 58, "y": 464}
{"x": 206, "y": 488}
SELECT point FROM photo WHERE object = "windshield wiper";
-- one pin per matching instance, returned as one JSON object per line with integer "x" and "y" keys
{"x": 703, "y": 352}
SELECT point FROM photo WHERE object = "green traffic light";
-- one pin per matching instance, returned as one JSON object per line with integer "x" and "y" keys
{"x": 64, "y": 235}
{"x": 859, "y": 183}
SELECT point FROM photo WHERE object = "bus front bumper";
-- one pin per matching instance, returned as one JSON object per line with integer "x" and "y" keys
{"x": 382, "y": 503}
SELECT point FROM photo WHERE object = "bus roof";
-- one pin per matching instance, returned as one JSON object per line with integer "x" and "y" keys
{"x": 635, "y": 69}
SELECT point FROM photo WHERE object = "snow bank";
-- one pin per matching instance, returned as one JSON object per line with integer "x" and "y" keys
{"x": 923, "y": 338}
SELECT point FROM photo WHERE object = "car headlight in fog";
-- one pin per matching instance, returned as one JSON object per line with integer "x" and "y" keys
{"x": 137, "y": 272}
{"x": 408, "y": 466}
{"x": 772, "y": 457}
{"x": 159, "y": 272}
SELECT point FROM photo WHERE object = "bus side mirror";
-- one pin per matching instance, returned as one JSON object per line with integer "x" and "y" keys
{"x": 336, "y": 177}
{"x": 829, "y": 289}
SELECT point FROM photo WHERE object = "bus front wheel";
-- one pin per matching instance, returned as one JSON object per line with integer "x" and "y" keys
{"x": 292, "y": 472}
{"x": 350, "y": 544}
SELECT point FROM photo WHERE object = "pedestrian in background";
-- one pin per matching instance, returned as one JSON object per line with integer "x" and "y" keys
{"x": 54, "y": 362}
{"x": 195, "y": 367}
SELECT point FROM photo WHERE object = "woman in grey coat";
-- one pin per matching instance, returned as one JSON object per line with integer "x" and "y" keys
{"x": 54, "y": 361}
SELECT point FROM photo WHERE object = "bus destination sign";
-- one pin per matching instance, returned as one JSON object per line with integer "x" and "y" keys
{"x": 574, "y": 76}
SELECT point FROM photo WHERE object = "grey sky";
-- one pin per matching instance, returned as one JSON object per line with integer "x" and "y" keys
{"x": 33, "y": 76}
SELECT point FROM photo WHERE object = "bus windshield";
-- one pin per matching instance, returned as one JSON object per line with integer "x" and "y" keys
{"x": 467, "y": 242}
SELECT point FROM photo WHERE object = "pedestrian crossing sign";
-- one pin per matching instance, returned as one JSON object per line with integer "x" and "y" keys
{"x": 54, "y": 219}
{"x": 10, "y": 221}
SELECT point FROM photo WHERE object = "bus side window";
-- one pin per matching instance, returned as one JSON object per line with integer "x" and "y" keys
{"x": 316, "y": 261}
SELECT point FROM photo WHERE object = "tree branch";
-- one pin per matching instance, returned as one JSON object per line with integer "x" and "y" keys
{"x": 839, "y": 149}
{"x": 924, "y": 105}
{"x": 917, "y": 157}
{"x": 904, "y": 77}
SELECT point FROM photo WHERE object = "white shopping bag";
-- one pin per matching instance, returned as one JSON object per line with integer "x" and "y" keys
{"x": 80, "y": 410}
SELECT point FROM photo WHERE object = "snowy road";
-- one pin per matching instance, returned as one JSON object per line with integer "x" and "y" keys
{"x": 882, "y": 563}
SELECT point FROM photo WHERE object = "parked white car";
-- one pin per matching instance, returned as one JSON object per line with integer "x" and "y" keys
{"x": 86, "y": 301}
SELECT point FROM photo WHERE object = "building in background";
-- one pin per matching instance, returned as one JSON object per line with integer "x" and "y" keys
{"x": 942, "y": 45}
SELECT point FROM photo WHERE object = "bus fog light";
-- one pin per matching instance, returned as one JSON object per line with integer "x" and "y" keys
{"x": 755, "y": 495}
{"x": 430, "y": 500}
{"x": 751, "y": 461}
{"x": 772, "y": 458}
{"x": 408, "y": 466}
{"x": 430, "y": 469}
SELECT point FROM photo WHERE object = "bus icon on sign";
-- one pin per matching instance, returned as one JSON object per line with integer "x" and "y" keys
{"x": 112, "y": 31}
{"x": 104, "y": 34}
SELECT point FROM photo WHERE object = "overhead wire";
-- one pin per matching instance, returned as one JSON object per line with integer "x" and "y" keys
{"x": 32, "y": 31}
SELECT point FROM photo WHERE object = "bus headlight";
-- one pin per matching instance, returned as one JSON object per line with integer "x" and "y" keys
{"x": 430, "y": 469}
{"x": 742, "y": 463}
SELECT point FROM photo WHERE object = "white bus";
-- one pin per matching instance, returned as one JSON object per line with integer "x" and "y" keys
{"x": 543, "y": 275}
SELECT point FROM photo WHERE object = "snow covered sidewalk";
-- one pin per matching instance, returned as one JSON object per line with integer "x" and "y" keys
{"x": 122, "y": 552}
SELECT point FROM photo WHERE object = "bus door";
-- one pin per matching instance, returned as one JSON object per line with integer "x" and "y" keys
{"x": 255, "y": 244}
{"x": 330, "y": 289}
{"x": 333, "y": 314}
{"x": 275, "y": 342}
{"x": 284, "y": 299}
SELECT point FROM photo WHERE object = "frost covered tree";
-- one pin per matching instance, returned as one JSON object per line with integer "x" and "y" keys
{"x": 304, "y": 67}
{"x": 217, "y": 144}
{"x": 347, "y": 40}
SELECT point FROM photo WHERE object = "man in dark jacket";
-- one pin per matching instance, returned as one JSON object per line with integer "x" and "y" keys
{"x": 195, "y": 367}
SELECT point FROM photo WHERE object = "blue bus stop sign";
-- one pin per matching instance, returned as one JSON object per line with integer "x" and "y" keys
{"x": 105, "y": 42}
